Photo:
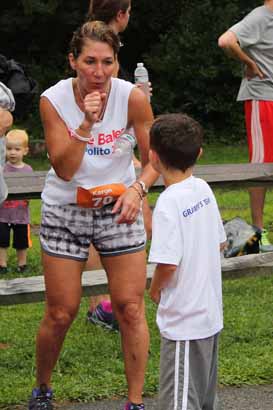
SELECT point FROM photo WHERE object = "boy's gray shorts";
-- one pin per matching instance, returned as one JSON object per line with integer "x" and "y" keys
{"x": 188, "y": 374}
{"x": 68, "y": 230}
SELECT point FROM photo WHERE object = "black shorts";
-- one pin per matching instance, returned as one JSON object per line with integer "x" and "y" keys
{"x": 21, "y": 235}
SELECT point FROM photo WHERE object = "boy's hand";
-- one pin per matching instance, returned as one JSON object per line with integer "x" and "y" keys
{"x": 155, "y": 295}
{"x": 161, "y": 277}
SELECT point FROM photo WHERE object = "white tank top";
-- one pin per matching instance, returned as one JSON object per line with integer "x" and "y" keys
{"x": 98, "y": 166}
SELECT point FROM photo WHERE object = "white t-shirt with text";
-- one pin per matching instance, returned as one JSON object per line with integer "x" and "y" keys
{"x": 187, "y": 232}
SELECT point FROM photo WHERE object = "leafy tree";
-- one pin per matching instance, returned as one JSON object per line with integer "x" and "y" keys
{"x": 191, "y": 73}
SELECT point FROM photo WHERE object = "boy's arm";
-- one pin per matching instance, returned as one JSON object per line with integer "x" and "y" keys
{"x": 223, "y": 245}
{"x": 162, "y": 276}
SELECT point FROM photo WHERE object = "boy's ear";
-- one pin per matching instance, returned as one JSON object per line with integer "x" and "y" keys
{"x": 154, "y": 160}
{"x": 152, "y": 156}
{"x": 26, "y": 150}
{"x": 200, "y": 153}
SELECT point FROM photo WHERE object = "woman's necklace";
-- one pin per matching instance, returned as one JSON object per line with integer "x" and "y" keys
{"x": 104, "y": 104}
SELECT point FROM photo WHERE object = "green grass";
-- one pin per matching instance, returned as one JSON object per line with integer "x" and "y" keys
{"x": 223, "y": 154}
{"x": 91, "y": 365}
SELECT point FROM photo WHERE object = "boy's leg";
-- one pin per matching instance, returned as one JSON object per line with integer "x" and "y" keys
{"x": 21, "y": 242}
{"x": 3, "y": 258}
{"x": 21, "y": 257}
{"x": 4, "y": 243}
{"x": 211, "y": 400}
{"x": 188, "y": 374}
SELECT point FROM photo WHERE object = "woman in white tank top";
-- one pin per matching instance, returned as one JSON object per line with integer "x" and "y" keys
{"x": 76, "y": 114}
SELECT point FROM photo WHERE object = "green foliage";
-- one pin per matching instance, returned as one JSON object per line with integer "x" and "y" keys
{"x": 192, "y": 73}
{"x": 178, "y": 44}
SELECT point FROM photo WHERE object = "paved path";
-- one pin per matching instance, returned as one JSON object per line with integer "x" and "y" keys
{"x": 232, "y": 398}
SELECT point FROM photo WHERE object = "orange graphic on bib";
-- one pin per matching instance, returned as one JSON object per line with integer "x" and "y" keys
{"x": 99, "y": 196}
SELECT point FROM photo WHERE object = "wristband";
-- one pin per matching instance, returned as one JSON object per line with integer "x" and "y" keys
{"x": 84, "y": 129}
{"x": 78, "y": 137}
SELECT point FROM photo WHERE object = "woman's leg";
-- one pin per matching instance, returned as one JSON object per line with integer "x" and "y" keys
{"x": 63, "y": 295}
{"x": 127, "y": 280}
{"x": 93, "y": 263}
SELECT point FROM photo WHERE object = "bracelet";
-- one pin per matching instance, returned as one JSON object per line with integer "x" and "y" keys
{"x": 135, "y": 188}
{"x": 143, "y": 187}
{"x": 84, "y": 129}
{"x": 78, "y": 137}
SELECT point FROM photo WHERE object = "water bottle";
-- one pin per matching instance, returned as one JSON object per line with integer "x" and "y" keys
{"x": 124, "y": 144}
{"x": 142, "y": 77}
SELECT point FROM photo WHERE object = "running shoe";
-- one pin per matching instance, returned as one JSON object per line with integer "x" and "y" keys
{"x": 41, "y": 399}
{"x": 265, "y": 245}
{"x": 103, "y": 318}
{"x": 132, "y": 406}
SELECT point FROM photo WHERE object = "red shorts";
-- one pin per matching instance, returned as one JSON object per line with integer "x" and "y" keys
{"x": 259, "y": 127}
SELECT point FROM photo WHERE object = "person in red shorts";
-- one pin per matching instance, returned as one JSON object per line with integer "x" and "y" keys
{"x": 251, "y": 42}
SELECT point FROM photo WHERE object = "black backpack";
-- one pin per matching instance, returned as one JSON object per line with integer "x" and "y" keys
{"x": 23, "y": 87}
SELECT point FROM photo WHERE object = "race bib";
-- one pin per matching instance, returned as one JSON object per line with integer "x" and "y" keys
{"x": 99, "y": 196}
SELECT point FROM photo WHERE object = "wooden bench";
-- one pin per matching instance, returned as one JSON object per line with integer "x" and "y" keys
{"x": 32, "y": 289}
{"x": 29, "y": 186}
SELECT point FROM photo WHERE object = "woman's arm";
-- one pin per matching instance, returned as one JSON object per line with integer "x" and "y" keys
{"x": 66, "y": 153}
{"x": 140, "y": 117}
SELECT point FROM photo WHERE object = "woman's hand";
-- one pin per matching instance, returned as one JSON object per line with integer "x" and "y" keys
{"x": 93, "y": 104}
{"x": 130, "y": 204}
{"x": 140, "y": 85}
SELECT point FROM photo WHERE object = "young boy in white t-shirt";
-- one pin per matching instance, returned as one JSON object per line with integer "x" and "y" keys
{"x": 187, "y": 236}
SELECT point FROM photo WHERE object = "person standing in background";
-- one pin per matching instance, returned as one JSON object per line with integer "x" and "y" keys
{"x": 251, "y": 42}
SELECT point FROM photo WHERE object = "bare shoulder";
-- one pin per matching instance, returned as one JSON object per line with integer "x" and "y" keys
{"x": 138, "y": 105}
{"x": 47, "y": 110}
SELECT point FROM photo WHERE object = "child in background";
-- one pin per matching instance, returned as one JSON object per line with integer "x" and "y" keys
{"x": 187, "y": 237}
{"x": 15, "y": 214}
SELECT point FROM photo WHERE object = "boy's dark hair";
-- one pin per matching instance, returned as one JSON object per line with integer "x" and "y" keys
{"x": 177, "y": 139}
